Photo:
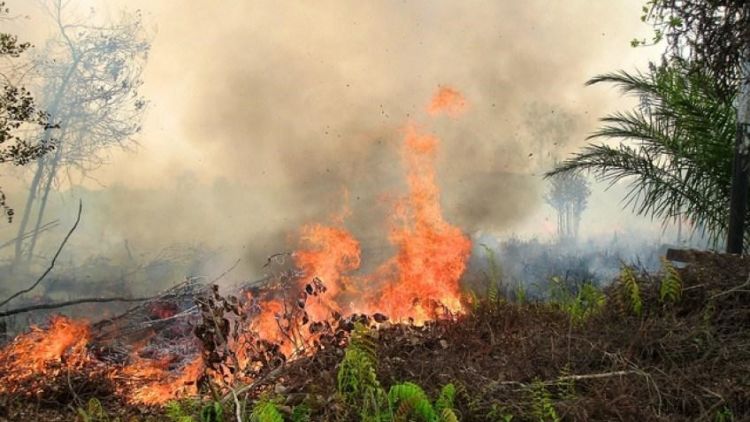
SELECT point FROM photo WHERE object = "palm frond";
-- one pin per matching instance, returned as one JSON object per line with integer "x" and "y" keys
{"x": 675, "y": 149}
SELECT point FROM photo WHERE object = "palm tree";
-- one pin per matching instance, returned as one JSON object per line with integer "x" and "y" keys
{"x": 568, "y": 194}
{"x": 674, "y": 149}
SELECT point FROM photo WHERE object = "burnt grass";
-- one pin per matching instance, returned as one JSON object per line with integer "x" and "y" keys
{"x": 684, "y": 361}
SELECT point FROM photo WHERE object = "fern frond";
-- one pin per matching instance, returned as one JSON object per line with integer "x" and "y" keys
{"x": 542, "y": 407}
{"x": 495, "y": 275}
{"x": 446, "y": 398}
{"x": 301, "y": 413}
{"x": 566, "y": 385}
{"x": 178, "y": 412}
{"x": 213, "y": 412}
{"x": 670, "y": 289}
{"x": 448, "y": 415}
{"x": 630, "y": 290}
{"x": 357, "y": 379}
{"x": 265, "y": 411}
{"x": 410, "y": 400}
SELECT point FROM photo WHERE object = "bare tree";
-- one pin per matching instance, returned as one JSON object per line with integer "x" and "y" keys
{"x": 568, "y": 194}
{"x": 91, "y": 77}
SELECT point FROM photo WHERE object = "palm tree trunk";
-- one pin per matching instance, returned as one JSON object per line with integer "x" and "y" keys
{"x": 740, "y": 171}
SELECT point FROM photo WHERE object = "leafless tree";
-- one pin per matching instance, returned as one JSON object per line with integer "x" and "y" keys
{"x": 91, "y": 75}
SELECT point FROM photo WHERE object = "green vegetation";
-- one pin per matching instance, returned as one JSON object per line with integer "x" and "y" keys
{"x": 265, "y": 410}
{"x": 630, "y": 291}
{"x": 676, "y": 148}
{"x": 670, "y": 289}
{"x": 542, "y": 407}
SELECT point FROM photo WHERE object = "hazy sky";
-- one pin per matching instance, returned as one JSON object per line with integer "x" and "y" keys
{"x": 289, "y": 103}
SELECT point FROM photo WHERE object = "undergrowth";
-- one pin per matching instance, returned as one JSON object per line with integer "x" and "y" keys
{"x": 359, "y": 387}
{"x": 578, "y": 356}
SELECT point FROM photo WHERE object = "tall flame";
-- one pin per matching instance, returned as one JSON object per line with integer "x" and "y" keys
{"x": 423, "y": 277}
{"x": 420, "y": 282}
{"x": 432, "y": 254}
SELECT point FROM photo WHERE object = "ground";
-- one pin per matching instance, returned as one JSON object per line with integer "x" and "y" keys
{"x": 682, "y": 357}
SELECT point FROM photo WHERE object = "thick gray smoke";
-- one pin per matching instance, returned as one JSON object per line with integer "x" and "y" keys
{"x": 263, "y": 113}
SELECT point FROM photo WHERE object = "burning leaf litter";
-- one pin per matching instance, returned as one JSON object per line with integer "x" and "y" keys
{"x": 150, "y": 355}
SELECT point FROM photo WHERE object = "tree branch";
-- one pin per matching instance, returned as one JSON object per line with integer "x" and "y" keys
{"x": 58, "y": 305}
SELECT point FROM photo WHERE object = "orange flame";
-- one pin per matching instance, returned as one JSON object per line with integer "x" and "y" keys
{"x": 63, "y": 345}
{"x": 150, "y": 382}
{"x": 431, "y": 256}
{"x": 331, "y": 254}
{"x": 418, "y": 283}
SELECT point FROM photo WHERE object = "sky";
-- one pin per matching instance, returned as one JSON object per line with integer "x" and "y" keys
{"x": 262, "y": 114}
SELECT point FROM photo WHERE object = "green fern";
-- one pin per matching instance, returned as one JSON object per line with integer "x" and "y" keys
{"x": 301, "y": 413}
{"x": 542, "y": 407}
{"x": 409, "y": 401}
{"x": 360, "y": 389}
{"x": 474, "y": 300}
{"x": 495, "y": 275}
{"x": 566, "y": 386}
{"x": 499, "y": 413}
{"x": 448, "y": 415}
{"x": 630, "y": 290}
{"x": 446, "y": 398}
{"x": 589, "y": 301}
{"x": 212, "y": 412}
{"x": 181, "y": 411}
{"x": 265, "y": 410}
{"x": 670, "y": 289}
{"x": 357, "y": 380}
{"x": 520, "y": 293}
{"x": 725, "y": 415}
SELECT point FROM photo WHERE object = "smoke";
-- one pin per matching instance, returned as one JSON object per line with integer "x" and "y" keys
{"x": 265, "y": 116}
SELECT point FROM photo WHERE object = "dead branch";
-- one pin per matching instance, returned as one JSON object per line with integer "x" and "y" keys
{"x": 237, "y": 407}
{"x": 277, "y": 257}
{"x": 57, "y": 305}
{"x": 43, "y": 228}
{"x": 574, "y": 378}
{"x": 54, "y": 259}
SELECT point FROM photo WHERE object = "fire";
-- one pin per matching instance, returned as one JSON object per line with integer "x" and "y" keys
{"x": 61, "y": 346}
{"x": 150, "y": 382}
{"x": 423, "y": 277}
{"x": 420, "y": 282}
{"x": 331, "y": 253}
{"x": 432, "y": 254}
